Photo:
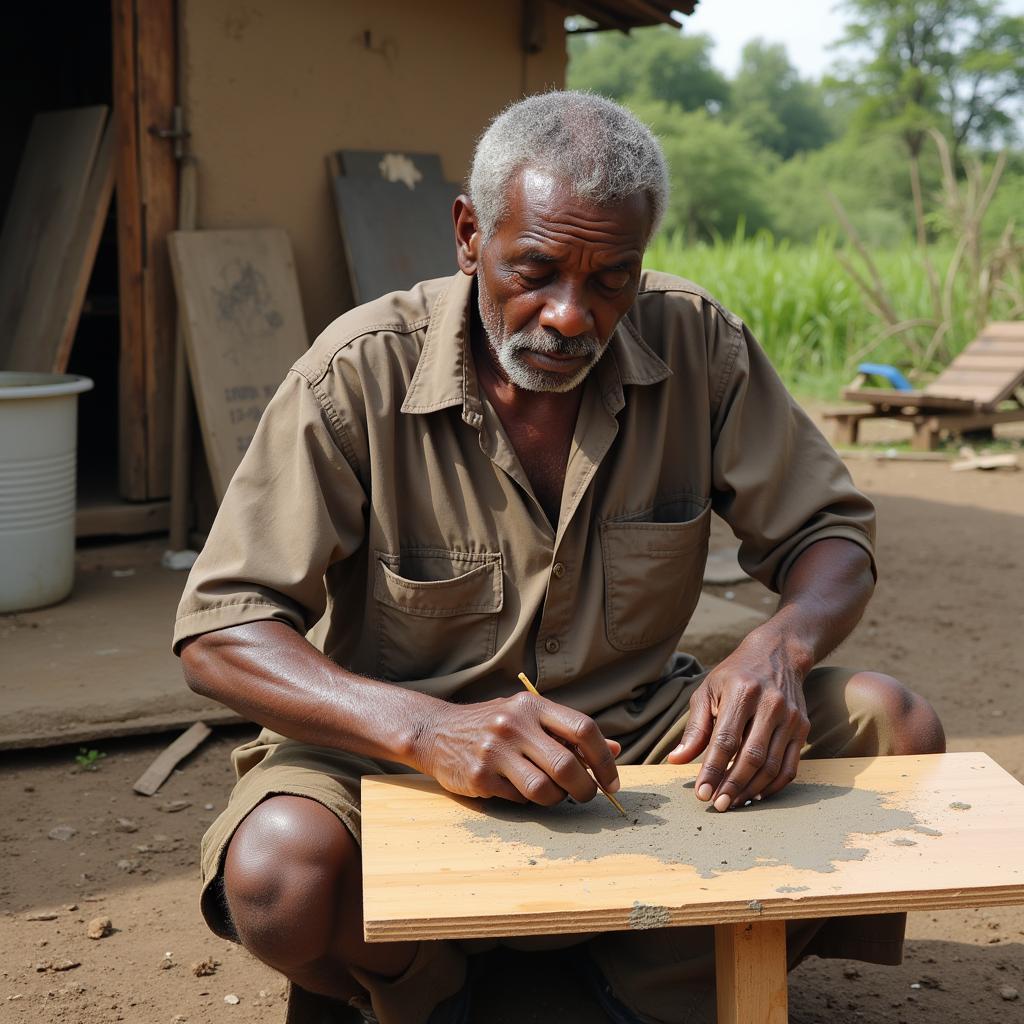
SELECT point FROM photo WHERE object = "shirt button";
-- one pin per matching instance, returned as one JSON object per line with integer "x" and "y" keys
{"x": 551, "y": 645}
{"x": 558, "y": 570}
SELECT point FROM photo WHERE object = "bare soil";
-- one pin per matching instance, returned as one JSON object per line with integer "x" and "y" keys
{"x": 947, "y": 618}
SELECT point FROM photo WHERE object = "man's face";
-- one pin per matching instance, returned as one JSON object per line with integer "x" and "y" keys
{"x": 554, "y": 280}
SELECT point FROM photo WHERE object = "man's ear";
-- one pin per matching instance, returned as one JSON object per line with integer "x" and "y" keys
{"x": 467, "y": 235}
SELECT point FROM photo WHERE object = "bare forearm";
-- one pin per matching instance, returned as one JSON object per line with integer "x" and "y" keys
{"x": 825, "y": 594}
{"x": 270, "y": 674}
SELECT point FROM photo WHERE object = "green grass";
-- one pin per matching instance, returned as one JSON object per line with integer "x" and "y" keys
{"x": 802, "y": 306}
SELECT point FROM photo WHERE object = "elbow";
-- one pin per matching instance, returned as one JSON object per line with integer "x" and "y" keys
{"x": 199, "y": 666}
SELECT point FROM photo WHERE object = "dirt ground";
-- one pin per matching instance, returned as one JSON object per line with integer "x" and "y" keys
{"x": 947, "y": 618}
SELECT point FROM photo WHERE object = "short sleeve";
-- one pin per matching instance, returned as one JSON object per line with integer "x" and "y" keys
{"x": 294, "y": 507}
{"x": 775, "y": 479}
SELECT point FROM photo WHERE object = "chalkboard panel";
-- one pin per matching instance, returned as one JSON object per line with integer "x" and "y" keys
{"x": 394, "y": 235}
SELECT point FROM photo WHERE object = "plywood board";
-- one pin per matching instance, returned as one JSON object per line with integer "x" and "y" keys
{"x": 42, "y": 219}
{"x": 395, "y": 236}
{"x": 239, "y": 303}
{"x": 80, "y": 257}
{"x": 854, "y": 836}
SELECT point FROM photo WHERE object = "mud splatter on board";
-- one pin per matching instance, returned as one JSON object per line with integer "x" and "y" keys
{"x": 799, "y": 827}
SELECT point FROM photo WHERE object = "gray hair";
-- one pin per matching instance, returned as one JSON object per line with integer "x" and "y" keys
{"x": 598, "y": 148}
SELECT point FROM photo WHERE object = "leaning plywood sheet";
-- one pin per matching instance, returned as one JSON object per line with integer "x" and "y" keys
{"x": 395, "y": 235}
{"x": 239, "y": 302}
{"x": 81, "y": 254}
{"x": 858, "y": 836}
{"x": 42, "y": 221}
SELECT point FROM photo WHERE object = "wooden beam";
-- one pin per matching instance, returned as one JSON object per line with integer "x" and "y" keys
{"x": 156, "y": 72}
{"x": 131, "y": 371}
{"x": 156, "y": 774}
{"x": 750, "y": 973}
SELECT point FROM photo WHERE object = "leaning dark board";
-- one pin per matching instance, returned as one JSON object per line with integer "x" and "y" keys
{"x": 395, "y": 236}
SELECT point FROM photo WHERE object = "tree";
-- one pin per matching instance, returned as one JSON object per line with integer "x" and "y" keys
{"x": 719, "y": 174}
{"x": 777, "y": 108}
{"x": 957, "y": 65}
{"x": 657, "y": 64}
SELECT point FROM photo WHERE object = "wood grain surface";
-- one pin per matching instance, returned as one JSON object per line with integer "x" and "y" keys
{"x": 431, "y": 869}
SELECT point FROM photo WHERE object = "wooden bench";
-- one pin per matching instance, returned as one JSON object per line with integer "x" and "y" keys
{"x": 886, "y": 834}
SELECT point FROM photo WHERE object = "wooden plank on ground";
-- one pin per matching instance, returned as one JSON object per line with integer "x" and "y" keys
{"x": 42, "y": 219}
{"x": 851, "y": 836}
{"x": 239, "y": 303}
{"x": 168, "y": 759}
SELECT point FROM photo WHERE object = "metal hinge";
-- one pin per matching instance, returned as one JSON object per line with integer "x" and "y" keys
{"x": 177, "y": 132}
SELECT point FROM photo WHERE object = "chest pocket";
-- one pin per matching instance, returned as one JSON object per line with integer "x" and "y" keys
{"x": 653, "y": 570}
{"x": 437, "y": 611}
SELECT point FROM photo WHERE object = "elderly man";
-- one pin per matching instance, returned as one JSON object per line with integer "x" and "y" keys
{"x": 512, "y": 470}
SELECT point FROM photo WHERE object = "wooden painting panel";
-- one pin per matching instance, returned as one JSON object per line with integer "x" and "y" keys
{"x": 858, "y": 836}
{"x": 240, "y": 307}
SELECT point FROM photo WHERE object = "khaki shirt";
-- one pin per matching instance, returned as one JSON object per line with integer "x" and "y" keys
{"x": 382, "y": 503}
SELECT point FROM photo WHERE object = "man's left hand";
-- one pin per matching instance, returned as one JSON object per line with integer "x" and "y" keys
{"x": 751, "y": 717}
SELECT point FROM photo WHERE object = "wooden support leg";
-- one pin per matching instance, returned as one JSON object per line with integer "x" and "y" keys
{"x": 926, "y": 434}
{"x": 845, "y": 429}
{"x": 750, "y": 973}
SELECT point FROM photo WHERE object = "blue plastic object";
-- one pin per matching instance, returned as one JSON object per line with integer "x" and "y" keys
{"x": 886, "y": 372}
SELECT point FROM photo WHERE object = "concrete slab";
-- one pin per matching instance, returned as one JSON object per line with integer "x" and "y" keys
{"x": 99, "y": 664}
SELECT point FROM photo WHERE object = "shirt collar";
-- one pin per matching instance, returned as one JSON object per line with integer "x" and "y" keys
{"x": 445, "y": 375}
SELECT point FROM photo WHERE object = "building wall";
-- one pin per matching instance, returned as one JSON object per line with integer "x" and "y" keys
{"x": 270, "y": 87}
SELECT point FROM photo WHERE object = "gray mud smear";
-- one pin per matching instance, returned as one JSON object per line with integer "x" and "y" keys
{"x": 798, "y": 827}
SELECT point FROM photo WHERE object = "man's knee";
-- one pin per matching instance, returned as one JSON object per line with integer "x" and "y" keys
{"x": 905, "y": 717}
{"x": 283, "y": 879}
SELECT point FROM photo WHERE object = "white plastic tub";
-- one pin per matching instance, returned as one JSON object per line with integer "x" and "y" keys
{"x": 38, "y": 445}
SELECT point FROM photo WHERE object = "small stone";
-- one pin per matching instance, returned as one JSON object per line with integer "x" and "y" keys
{"x": 130, "y": 866}
{"x": 204, "y": 968}
{"x": 17, "y": 995}
{"x": 263, "y": 993}
{"x": 232, "y": 1000}
{"x": 173, "y": 806}
{"x": 126, "y": 825}
{"x": 70, "y": 907}
{"x": 851, "y": 972}
{"x": 62, "y": 833}
{"x": 207, "y": 807}
{"x": 28, "y": 789}
{"x": 165, "y": 964}
{"x": 928, "y": 981}
{"x": 99, "y": 928}
{"x": 62, "y": 964}
{"x": 1009, "y": 993}
{"x": 42, "y": 916}
{"x": 915, "y": 984}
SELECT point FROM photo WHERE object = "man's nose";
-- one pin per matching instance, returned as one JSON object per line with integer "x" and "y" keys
{"x": 567, "y": 312}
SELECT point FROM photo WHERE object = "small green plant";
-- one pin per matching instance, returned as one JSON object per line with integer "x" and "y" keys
{"x": 89, "y": 760}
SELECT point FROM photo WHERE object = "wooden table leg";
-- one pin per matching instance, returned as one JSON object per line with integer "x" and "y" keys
{"x": 750, "y": 973}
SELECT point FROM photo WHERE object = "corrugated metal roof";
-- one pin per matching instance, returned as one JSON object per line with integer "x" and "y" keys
{"x": 626, "y": 14}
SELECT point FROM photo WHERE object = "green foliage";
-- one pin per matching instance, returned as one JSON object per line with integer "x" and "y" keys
{"x": 955, "y": 65}
{"x": 88, "y": 760}
{"x": 656, "y": 64}
{"x": 719, "y": 176}
{"x": 805, "y": 310}
{"x": 777, "y": 108}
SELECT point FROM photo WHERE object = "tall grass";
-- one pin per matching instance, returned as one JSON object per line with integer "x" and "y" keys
{"x": 810, "y": 317}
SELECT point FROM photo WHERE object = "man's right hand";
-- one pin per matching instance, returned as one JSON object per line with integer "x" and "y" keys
{"x": 517, "y": 748}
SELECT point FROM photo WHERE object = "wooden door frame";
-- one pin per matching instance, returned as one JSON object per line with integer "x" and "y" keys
{"x": 145, "y": 94}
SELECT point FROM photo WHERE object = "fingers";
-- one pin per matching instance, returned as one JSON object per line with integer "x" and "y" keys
{"x": 790, "y": 764}
{"x": 532, "y": 783}
{"x": 731, "y": 724}
{"x": 768, "y": 771}
{"x": 579, "y": 730}
{"x": 698, "y": 728}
